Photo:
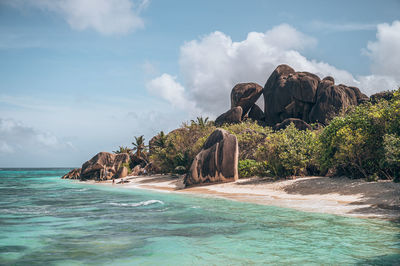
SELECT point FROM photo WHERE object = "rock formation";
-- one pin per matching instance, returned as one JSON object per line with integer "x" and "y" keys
{"x": 232, "y": 116}
{"x": 256, "y": 113}
{"x": 302, "y": 95}
{"x": 217, "y": 161}
{"x": 245, "y": 95}
{"x": 73, "y": 174}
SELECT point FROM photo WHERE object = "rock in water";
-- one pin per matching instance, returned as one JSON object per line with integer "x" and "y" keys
{"x": 103, "y": 165}
{"x": 217, "y": 161}
{"x": 298, "y": 123}
{"x": 232, "y": 116}
{"x": 245, "y": 95}
{"x": 73, "y": 174}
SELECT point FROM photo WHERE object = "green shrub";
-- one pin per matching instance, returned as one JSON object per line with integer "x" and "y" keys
{"x": 249, "y": 168}
{"x": 249, "y": 135}
{"x": 360, "y": 144}
{"x": 288, "y": 152}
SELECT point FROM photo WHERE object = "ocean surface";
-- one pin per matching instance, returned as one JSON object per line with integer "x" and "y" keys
{"x": 45, "y": 220}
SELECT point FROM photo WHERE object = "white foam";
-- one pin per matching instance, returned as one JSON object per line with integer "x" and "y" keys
{"x": 137, "y": 204}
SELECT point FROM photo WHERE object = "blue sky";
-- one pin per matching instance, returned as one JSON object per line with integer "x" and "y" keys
{"x": 82, "y": 76}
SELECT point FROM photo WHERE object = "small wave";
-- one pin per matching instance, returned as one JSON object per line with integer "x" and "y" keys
{"x": 137, "y": 204}
{"x": 82, "y": 189}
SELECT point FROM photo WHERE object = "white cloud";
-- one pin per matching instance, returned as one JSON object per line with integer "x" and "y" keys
{"x": 17, "y": 137}
{"x": 105, "y": 16}
{"x": 212, "y": 65}
{"x": 385, "y": 51}
{"x": 169, "y": 89}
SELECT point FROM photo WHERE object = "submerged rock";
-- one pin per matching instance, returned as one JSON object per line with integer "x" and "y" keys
{"x": 216, "y": 162}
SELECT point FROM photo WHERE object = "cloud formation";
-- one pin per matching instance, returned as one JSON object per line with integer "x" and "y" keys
{"x": 104, "y": 16}
{"x": 17, "y": 137}
{"x": 212, "y": 65}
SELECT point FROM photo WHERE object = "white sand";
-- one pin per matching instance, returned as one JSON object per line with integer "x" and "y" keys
{"x": 340, "y": 196}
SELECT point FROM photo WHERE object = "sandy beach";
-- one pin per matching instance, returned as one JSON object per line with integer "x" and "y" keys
{"x": 339, "y": 196}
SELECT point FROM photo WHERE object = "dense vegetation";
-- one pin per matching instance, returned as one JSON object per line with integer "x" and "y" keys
{"x": 362, "y": 143}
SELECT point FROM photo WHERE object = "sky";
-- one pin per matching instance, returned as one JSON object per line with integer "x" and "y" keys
{"x": 83, "y": 76}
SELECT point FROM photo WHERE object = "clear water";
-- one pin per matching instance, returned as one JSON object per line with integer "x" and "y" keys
{"x": 48, "y": 221}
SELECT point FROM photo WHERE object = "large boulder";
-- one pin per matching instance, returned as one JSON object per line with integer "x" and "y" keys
{"x": 216, "y": 162}
{"x": 302, "y": 95}
{"x": 298, "y": 123}
{"x": 245, "y": 95}
{"x": 256, "y": 113}
{"x": 289, "y": 94}
{"x": 232, "y": 116}
{"x": 333, "y": 99}
{"x": 103, "y": 166}
{"x": 73, "y": 174}
{"x": 122, "y": 172}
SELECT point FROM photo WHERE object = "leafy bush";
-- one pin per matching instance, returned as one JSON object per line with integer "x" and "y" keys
{"x": 180, "y": 147}
{"x": 360, "y": 143}
{"x": 249, "y": 135}
{"x": 249, "y": 168}
{"x": 288, "y": 152}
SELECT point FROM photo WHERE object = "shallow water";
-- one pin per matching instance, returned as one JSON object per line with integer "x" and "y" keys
{"x": 48, "y": 221}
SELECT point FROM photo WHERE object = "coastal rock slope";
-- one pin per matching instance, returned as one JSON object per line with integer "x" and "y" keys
{"x": 217, "y": 161}
{"x": 102, "y": 166}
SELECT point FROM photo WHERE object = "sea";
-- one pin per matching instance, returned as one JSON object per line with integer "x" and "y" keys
{"x": 45, "y": 220}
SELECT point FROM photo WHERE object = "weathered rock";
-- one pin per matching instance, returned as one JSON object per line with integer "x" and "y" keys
{"x": 232, "y": 116}
{"x": 137, "y": 170}
{"x": 298, "y": 123}
{"x": 289, "y": 94}
{"x": 383, "y": 95}
{"x": 302, "y": 95}
{"x": 216, "y": 162}
{"x": 245, "y": 95}
{"x": 333, "y": 99}
{"x": 73, "y": 174}
{"x": 103, "y": 166}
{"x": 122, "y": 172}
{"x": 256, "y": 113}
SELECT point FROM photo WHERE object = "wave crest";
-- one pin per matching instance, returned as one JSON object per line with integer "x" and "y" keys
{"x": 137, "y": 204}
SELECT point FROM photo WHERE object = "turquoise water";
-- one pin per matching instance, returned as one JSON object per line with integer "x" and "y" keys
{"x": 48, "y": 221}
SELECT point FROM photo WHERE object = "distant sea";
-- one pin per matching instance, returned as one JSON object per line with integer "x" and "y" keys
{"x": 45, "y": 220}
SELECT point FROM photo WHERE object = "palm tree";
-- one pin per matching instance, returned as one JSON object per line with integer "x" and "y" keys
{"x": 139, "y": 146}
{"x": 122, "y": 149}
{"x": 202, "y": 122}
{"x": 161, "y": 140}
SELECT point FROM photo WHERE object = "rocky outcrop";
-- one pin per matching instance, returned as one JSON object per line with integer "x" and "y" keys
{"x": 298, "y": 123}
{"x": 245, "y": 95}
{"x": 333, "y": 99}
{"x": 256, "y": 113}
{"x": 289, "y": 94}
{"x": 122, "y": 172}
{"x": 302, "y": 95}
{"x": 216, "y": 162}
{"x": 103, "y": 166}
{"x": 73, "y": 174}
{"x": 232, "y": 116}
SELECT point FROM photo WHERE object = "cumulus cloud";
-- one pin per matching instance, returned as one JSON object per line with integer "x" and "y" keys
{"x": 169, "y": 89}
{"x": 16, "y": 137}
{"x": 105, "y": 16}
{"x": 385, "y": 51}
{"x": 212, "y": 65}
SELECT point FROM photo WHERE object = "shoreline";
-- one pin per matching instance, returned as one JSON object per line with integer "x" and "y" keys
{"x": 338, "y": 196}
